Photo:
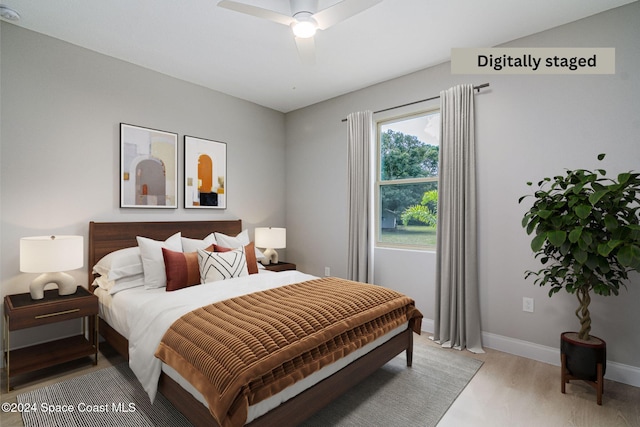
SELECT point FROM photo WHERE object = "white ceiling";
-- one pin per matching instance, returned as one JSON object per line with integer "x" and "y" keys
{"x": 256, "y": 60}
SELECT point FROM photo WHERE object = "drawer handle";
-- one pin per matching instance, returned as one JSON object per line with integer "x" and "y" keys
{"x": 58, "y": 313}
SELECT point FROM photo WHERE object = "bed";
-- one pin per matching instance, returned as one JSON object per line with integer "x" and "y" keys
{"x": 107, "y": 237}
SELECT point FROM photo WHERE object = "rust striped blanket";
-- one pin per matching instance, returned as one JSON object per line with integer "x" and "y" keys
{"x": 242, "y": 350}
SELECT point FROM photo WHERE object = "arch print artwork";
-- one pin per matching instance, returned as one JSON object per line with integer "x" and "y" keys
{"x": 205, "y": 173}
{"x": 148, "y": 168}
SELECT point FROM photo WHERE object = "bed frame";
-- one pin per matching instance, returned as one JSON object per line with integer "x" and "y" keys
{"x": 106, "y": 237}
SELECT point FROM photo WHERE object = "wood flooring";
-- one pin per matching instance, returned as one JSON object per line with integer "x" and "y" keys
{"x": 507, "y": 391}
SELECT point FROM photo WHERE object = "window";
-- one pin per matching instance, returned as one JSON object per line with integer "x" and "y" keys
{"x": 407, "y": 181}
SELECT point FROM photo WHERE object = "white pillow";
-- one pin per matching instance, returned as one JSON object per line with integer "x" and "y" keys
{"x": 127, "y": 283}
{"x": 240, "y": 241}
{"x": 153, "y": 261}
{"x": 192, "y": 245}
{"x": 115, "y": 286}
{"x": 216, "y": 266}
{"x": 121, "y": 263}
{"x": 103, "y": 282}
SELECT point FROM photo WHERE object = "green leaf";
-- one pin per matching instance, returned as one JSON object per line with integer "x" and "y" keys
{"x": 629, "y": 256}
{"x": 592, "y": 262}
{"x": 575, "y": 234}
{"x": 597, "y": 196}
{"x": 580, "y": 256}
{"x": 603, "y": 265}
{"x": 582, "y": 244}
{"x": 614, "y": 243}
{"x": 557, "y": 237}
{"x": 601, "y": 156}
{"x": 557, "y": 222}
{"x": 582, "y": 211}
{"x": 538, "y": 242}
{"x": 610, "y": 222}
{"x": 578, "y": 188}
{"x": 623, "y": 177}
{"x": 544, "y": 214}
{"x": 604, "y": 249}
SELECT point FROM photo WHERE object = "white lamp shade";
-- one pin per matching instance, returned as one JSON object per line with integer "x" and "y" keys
{"x": 272, "y": 238}
{"x": 49, "y": 254}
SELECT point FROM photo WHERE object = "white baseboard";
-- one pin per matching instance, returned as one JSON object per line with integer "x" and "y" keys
{"x": 615, "y": 371}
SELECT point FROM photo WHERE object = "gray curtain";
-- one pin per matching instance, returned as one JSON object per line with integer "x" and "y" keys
{"x": 457, "y": 316}
{"x": 360, "y": 256}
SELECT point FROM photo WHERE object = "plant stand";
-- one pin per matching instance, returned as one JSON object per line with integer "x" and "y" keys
{"x": 583, "y": 360}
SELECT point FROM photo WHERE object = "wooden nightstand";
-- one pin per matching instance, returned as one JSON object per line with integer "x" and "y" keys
{"x": 281, "y": 266}
{"x": 21, "y": 312}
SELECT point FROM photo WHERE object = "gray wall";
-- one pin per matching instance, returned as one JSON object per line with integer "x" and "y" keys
{"x": 61, "y": 110}
{"x": 528, "y": 127}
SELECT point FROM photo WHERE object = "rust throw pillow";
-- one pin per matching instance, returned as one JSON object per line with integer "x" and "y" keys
{"x": 181, "y": 268}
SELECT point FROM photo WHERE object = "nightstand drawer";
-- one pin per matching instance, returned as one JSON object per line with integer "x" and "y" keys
{"x": 23, "y": 312}
{"x": 281, "y": 266}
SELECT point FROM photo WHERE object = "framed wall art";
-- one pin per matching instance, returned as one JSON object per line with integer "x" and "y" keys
{"x": 148, "y": 168}
{"x": 205, "y": 173}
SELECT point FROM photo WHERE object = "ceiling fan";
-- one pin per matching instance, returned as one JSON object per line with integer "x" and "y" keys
{"x": 305, "y": 19}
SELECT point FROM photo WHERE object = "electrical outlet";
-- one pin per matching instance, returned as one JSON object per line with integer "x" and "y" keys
{"x": 527, "y": 304}
{"x": 327, "y": 271}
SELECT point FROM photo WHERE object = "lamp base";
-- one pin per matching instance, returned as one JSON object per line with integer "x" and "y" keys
{"x": 66, "y": 284}
{"x": 270, "y": 257}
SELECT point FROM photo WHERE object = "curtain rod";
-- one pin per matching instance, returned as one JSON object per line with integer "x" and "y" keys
{"x": 477, "y": 88}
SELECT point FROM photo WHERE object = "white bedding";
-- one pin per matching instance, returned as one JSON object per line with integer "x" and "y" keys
{"x": 144, "y": 315}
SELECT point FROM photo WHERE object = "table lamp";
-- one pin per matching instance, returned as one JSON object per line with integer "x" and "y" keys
{"x": 271, "y": 238}
{"x": 51, "y": 255}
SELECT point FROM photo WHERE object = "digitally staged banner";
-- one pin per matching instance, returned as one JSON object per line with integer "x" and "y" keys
{"x": 533, "y": 61}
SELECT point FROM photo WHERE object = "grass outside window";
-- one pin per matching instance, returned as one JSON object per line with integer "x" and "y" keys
{"x": 417, "y": 236}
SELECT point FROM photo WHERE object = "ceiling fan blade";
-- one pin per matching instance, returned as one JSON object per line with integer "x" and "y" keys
{"x": 257, "y": 12}
{"x": 306, "y": 50}
{"x": 341, "y": 11}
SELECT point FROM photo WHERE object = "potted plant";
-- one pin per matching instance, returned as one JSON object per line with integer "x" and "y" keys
{"x": 586, "y": 234}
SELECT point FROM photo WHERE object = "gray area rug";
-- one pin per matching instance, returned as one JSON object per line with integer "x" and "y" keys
{"x": 393, "y": 396}
{"x": 110, "y": 397}
{"x": 397, "y": 396}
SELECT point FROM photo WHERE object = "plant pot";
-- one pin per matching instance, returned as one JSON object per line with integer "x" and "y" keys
{"x": 583, "y": 360}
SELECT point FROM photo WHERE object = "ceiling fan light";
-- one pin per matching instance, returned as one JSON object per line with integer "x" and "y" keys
{"x": 304, "y": 29}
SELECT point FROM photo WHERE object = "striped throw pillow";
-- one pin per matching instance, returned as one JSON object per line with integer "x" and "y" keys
{"x": 215, "y": 266}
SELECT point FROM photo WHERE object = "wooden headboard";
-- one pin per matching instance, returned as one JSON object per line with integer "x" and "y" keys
{"x": 106, "y": 237}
